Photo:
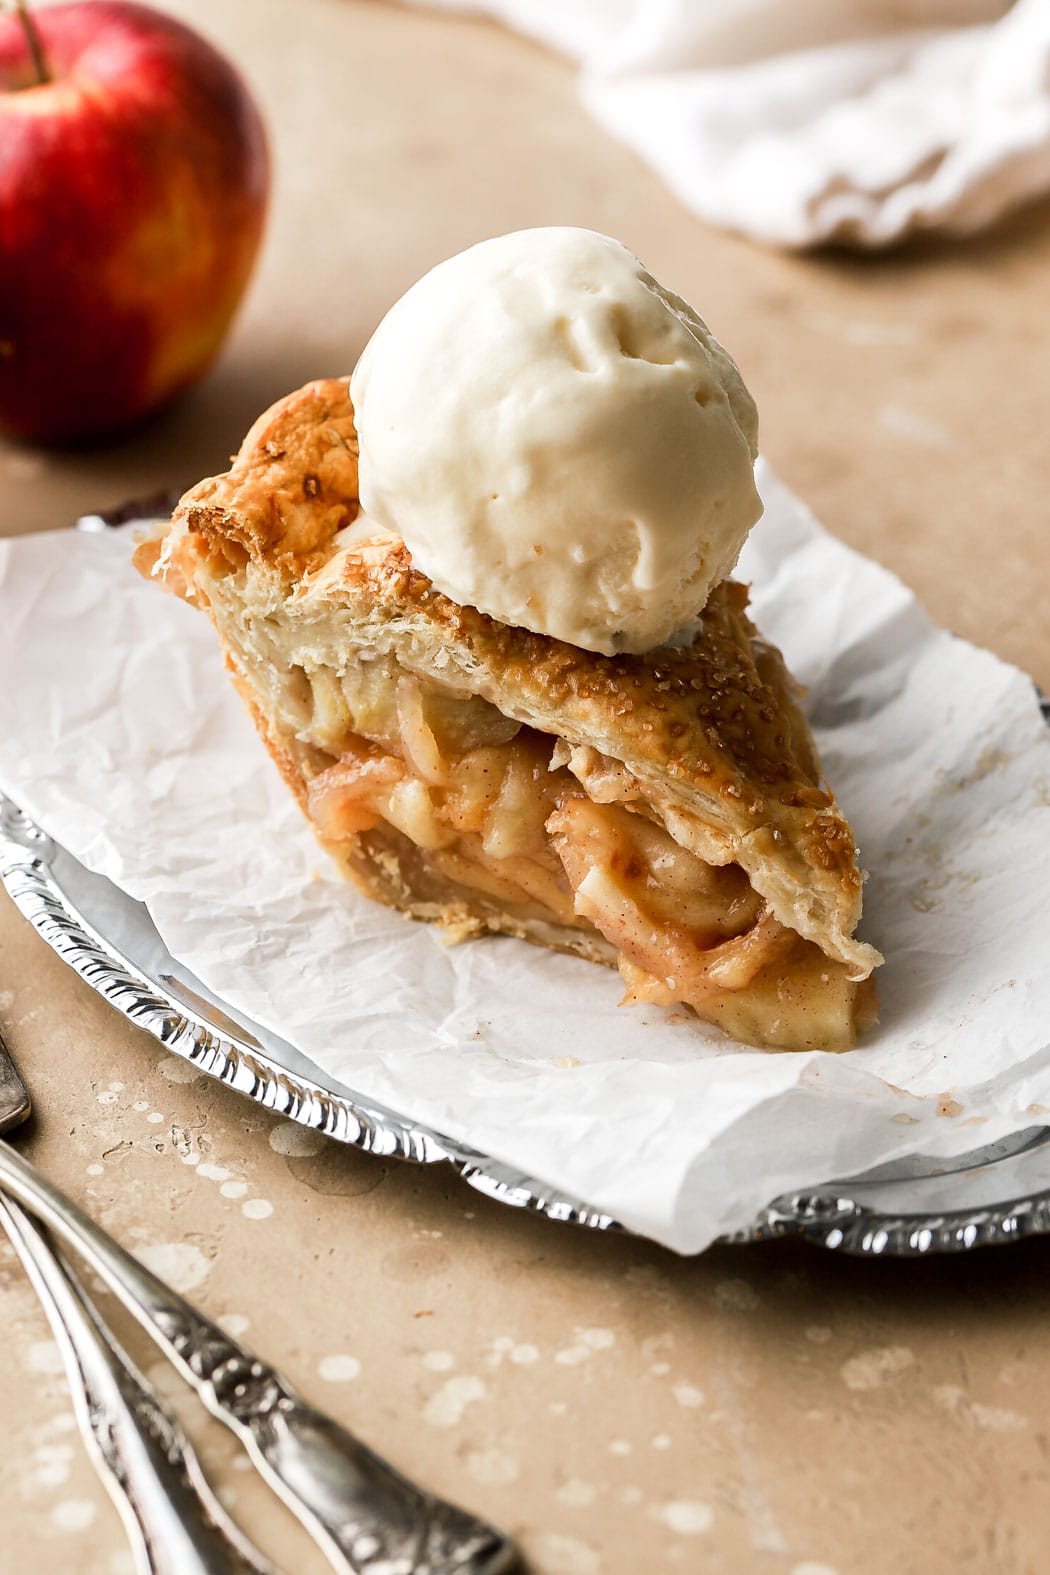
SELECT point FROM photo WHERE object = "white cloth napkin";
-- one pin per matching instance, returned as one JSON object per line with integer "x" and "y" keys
{"x": 802, "y": 121}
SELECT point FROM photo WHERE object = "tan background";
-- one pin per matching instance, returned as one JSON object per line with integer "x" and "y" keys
{"x": 770, "y": 1410}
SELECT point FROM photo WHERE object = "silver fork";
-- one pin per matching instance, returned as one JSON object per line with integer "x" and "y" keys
{"x": 174, "y": 1522}
{"x": 363, "y": 1514}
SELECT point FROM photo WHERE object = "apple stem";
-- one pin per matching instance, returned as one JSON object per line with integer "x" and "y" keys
{"x": 33, "y": 39}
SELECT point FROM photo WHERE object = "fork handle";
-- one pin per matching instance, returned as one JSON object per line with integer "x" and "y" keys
{"x": 365, "y": 1515}
{"x": 174, "y": 1522}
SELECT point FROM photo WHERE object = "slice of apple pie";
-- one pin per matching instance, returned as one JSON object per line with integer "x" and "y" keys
{"x": 663, "y": 813}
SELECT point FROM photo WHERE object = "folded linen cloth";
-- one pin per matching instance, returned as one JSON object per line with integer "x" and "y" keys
{"x": 803, "y": 121}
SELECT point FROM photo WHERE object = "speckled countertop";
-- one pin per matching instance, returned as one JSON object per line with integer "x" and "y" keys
{"x": 619, "y": 1410}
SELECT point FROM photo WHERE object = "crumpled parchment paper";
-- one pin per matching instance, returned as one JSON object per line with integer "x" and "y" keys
{"x": 120, "y": 734}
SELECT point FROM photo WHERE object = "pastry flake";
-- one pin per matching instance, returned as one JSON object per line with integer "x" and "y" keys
{"x": 661, "y": 813}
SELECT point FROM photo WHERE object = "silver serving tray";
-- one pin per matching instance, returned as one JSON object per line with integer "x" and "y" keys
{"x": 910, "y": 1208}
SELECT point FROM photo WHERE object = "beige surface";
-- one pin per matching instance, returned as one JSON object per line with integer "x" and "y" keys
{"x": 804, "y": 1414}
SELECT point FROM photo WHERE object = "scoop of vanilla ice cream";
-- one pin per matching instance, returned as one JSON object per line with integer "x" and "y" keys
{"x": 560, "y": 441}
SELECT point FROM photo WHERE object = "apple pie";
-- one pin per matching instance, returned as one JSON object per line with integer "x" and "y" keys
{"x": 663, "y": 814}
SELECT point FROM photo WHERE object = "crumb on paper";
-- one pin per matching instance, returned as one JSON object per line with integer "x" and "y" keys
{"x": 564, "y": 1062}
{"x": 454, "y": 934}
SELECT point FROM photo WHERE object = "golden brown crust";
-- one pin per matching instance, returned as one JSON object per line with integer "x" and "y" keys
{"x": 713, "y": 730}
{"x": 290, "y": 487}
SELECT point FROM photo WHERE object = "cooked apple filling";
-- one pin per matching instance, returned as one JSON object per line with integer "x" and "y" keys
{"x": 448, "y": 791}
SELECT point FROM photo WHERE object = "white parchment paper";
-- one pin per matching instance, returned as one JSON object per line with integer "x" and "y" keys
{"x": 120, "y": 734}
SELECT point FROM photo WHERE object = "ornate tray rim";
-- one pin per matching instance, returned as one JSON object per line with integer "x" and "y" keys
{"x": 193, "y": 1027}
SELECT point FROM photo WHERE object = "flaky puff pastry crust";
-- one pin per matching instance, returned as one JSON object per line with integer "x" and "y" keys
{"x": 711, "y": 734}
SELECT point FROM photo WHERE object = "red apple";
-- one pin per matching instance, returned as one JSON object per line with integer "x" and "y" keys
{"x": 133, "y": 187}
